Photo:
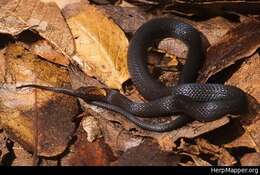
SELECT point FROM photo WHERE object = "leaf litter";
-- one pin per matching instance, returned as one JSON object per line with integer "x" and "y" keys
{"x": 227, "y": 45}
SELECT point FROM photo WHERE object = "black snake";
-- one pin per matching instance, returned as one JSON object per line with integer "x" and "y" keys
{"x": 203, "y": 102}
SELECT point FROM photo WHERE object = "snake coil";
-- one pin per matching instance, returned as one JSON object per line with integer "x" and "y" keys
{"x": 203, "y": 102}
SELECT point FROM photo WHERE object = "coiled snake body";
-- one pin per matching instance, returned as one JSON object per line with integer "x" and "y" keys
{"x": 203, "y": 102}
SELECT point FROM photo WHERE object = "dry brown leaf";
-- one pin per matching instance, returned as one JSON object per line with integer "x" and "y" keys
{"x": 101, "y": 45}
{"x": 197, "y": 160}
{"x": 115, "y": 135}
{"x": 94, "y": 42}
{"x": 248, "y": 76}
{"x": 203, "y": 147}
{"x": 128, "y": 18}
{"x": 63, "y": 3}
{"x": 188, "y": 163}
{"x": 49, "y": 162}
{"x": 254, "y": 132}
{"x": 91, "y": 126}
{"x": 126, "y": 4}
{"x": 20, "y": 110}
{"x": 22, "y": 157}
{"x": 189, "y": 148}
{"x": 80, "y": 79}
{"x": 10, "y": 24}
{"x": 3, "y": 148}
{"x": 223, "y": 156}
{"x": 97, "y": 153}
{"x": 250, "y": 138}
{"x": 245, "y": 140}
{"x": 214, "y": 28}
{"x": 147, "y": 154}
{"x": 250, "y": 159}
{"x": 244, "y": 79}
{"x": 45, "y": 18}
{"x": 189, "y": 8}
{"x": 46, "y": 51}
{"x": 240, "y": 42}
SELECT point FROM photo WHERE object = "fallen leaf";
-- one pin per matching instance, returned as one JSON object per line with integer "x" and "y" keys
{"x": 250, "y": 159}
{"x": 214, "y": 28}
{"x": 27, "y": 112}
{"x": 80, "y": 79}
{"x": 49, "y": 162}
{"x": 190, "y": 8}
{"x": 188, "y": 163}
{"x": 238, "y": 43}
{"x": 245, "y": 140}
{"x": 128, "y": 18}
{"x": 253, "y": 131}
{"x": 197, "y": 160}
{"x": 114, "y": 134}
{"x": 64, "y": 3}
{"x": 101, "y": 46}
{"x": 97, "y": 153}
{"x": 46, "y": 51}
{"x": 244, "y": 78}
{"x": 204, "y": 153}
{"x": 147, "y": 154}
{"x": 22, "y": 157}
{"x": 188, "y": 148}
{"x": 3, "y": 149}
{"x": 10, "y": 24}
{"x": 223, "y": 156}
{"x": 91, "y": 126}
{"x": 101, "y": 52}
{"x": 43, "y": 17}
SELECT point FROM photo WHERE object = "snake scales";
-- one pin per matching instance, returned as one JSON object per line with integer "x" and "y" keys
{"x": 203, "y": 102}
